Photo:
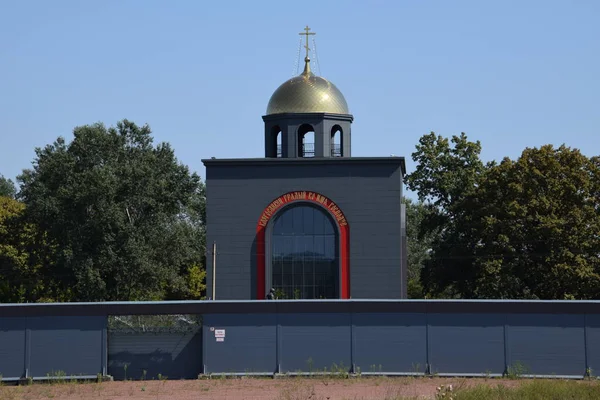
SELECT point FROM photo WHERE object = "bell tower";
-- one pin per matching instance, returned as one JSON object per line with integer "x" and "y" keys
{"x": 307, "y": 116}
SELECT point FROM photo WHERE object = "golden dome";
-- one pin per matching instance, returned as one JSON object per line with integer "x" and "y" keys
{"x": 307, "y": 93}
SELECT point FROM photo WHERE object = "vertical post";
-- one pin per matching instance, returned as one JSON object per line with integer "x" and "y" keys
{"x": 428, "y": 369}
{"x": 104, "y": 347}
{"x": 214, "y": 270}
{"x": 27, "y": 348}
{"x": 403, "y": 254}
{"x": 352, "y": 344}
{"x": 588, "y": 368}
{"x": 277, "y": 342}
{"x": 205, "y": 332}
{"x": 507, "y": 358}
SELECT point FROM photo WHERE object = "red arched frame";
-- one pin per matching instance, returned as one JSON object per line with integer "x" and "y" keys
{"x": 310, "y": 197}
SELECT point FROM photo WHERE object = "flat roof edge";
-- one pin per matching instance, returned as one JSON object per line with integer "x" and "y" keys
{"x": 306, "y": 161}
{"x": 572, "y": 307}
{"x": 303, "y": 159}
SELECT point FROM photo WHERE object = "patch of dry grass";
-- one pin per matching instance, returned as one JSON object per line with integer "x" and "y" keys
{"x": 315, "y": 388}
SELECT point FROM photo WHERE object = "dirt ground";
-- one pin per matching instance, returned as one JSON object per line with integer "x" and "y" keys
{"x": 250, "y": 389}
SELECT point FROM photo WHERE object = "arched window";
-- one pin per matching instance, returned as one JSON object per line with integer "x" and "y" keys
{"x": 336, "y": 141}
{"x": 306, "y": 141}
{"x": 305, "y": 254}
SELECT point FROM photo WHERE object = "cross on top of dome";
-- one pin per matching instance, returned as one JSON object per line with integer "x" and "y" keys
{"x": 307, "y": 59}
{"x": 307, "y": 92}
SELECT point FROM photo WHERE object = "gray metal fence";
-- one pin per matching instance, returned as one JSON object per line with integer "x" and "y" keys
{"x": 399, "y": 337}
{"x": 401, "y": 344}
{"x": 52, "y": 347}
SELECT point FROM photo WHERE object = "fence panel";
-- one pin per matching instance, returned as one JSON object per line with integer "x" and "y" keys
{"x": 240, "y": 343}
{"x": 311, "y": 342}
{"x": 546, "y": 344}
{"x": 390, "y": 342}
{"x": 467, "y": 344}
{"x": 592, "y": 333}
{"x": 66, "y": 346}
{"x": 12, "y": 348}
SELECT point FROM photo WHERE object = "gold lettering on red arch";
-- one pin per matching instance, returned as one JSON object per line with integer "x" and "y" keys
{"x": 302, "y": 195}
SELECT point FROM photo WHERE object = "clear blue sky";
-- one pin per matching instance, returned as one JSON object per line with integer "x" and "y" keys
{"x": 511, "y": 74}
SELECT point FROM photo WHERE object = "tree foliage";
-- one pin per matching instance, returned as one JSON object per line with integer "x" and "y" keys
{"x": 25, "y": 275}
{"x": 539, "y": 220}
{"x": 525, "y": 228}
{"x": 7, "y": 187}
{"x": 125, "y": 217}
{"x": 419, "y": 245}
{"x": 445, "y": 174}
{"x": 445, "y": 178}
{"x": 12, "y": 258}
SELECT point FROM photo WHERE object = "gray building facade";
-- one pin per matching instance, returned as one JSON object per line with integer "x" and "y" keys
{"x": 308, "y": 220}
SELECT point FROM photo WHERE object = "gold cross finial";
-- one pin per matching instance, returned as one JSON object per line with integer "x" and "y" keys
{"x": 307, "y": 33}
{"x": 307, "y": 59}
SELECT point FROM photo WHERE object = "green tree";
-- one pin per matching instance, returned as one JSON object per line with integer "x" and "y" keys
{"x": 419, "y": 245}
{"x": 527, "y": 228}
{"x": 539, "y": 224}
{"x": 446, "y": 172}
{"x": 196, "y": 282}
{"x": 7, "y": 187}
{"x": 24, "y": 261}
{"x": 445, "y": 178}
{"x": 12, "y": 258}
{"x": 125, "y": 216}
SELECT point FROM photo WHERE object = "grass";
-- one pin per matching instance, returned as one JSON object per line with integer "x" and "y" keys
{"x": 533, "y": 390}
{"x": 540, "y": 389}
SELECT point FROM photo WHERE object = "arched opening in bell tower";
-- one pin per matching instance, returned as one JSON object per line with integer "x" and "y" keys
{"x": 275, "y": 142}
{"x": 336, "y": 141}
{"x": 306, "y": 141}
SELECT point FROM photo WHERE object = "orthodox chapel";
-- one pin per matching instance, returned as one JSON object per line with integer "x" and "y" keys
{"x": 313, "y": 222}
